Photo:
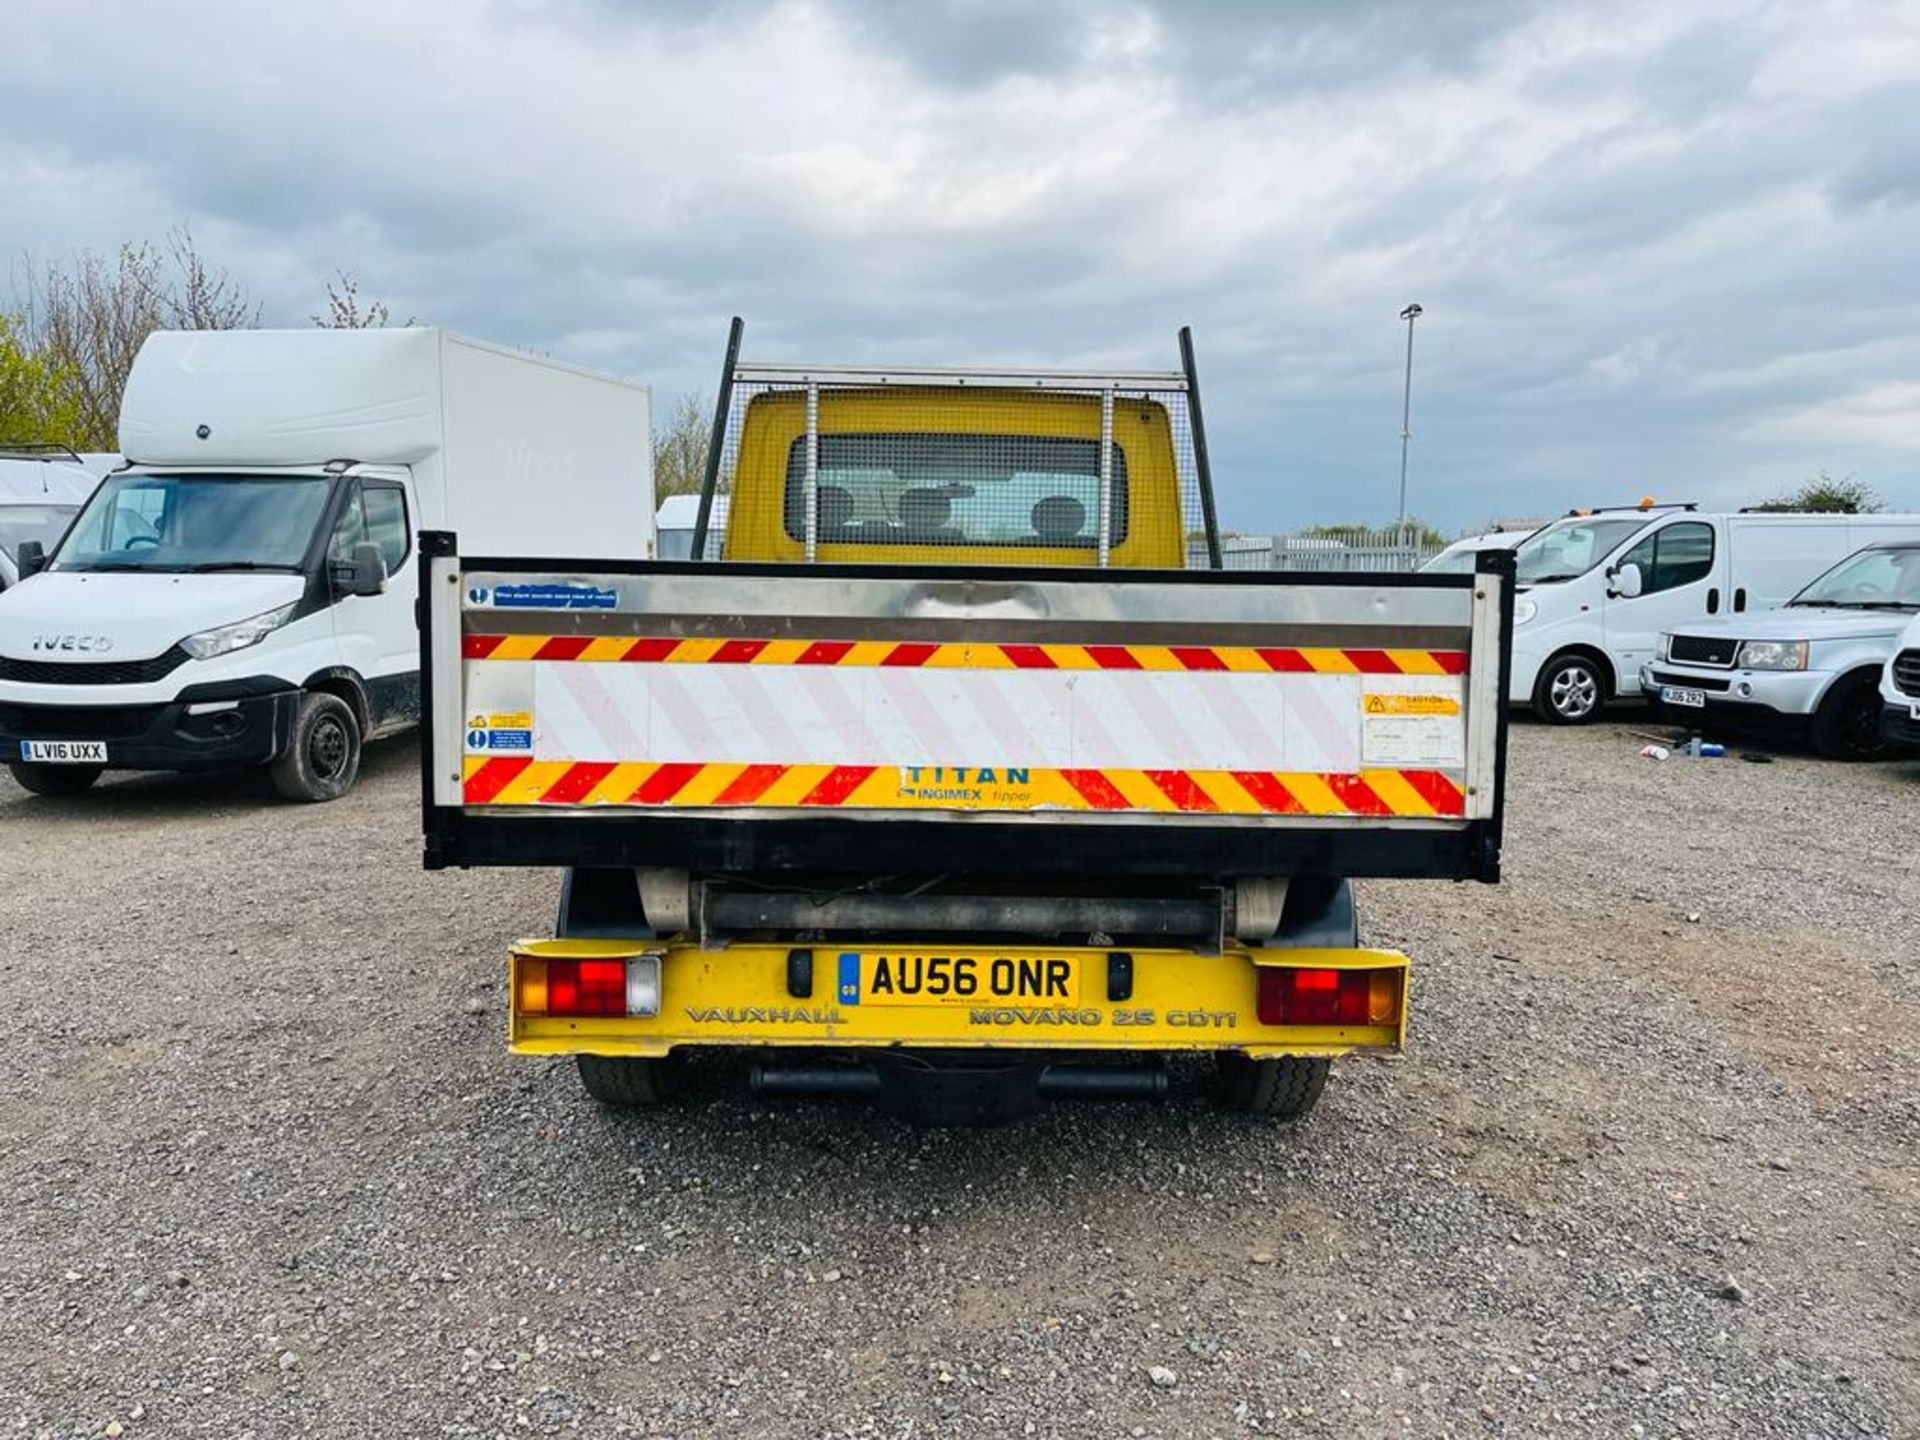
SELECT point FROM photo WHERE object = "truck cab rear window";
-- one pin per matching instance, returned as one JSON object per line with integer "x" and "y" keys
{"x": 924, "y": 489}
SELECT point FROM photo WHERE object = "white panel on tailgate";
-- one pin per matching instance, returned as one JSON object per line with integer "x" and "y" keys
{"x": 864, "y": 716}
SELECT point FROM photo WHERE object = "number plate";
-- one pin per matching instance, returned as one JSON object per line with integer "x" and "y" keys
{"x": 875, "y": 977}
{"x": 1675, "y": 695}
{"x": 64, "y": 752}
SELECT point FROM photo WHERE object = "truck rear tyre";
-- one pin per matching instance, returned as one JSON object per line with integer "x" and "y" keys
{"x": 1571, "y": 689}
{"x": 55, "y": 779}
{"x": 1847, "y": 724}
{"x": 625, "y": 1084}
{"x": 1282, "y": 1089}
{"x": 324, "y": 757}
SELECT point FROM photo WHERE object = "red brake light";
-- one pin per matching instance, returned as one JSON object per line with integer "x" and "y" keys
{"x": 1322, "y": 997}
{"x": 586, "y": 987}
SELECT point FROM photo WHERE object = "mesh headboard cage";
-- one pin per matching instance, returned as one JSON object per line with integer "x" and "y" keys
{"x": 968, "y": 466}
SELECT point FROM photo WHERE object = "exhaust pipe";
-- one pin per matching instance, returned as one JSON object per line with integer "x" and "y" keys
{"x": 1103, "y": 1082}
{"x": 813, "y": 1080}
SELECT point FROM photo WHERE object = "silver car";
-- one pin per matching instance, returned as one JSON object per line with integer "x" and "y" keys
{"x": 1811, "y": 668}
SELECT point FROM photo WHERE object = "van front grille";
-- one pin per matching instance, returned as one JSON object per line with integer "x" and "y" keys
{"x": 93, "y": 672}
{"x": 1906, "y": 673}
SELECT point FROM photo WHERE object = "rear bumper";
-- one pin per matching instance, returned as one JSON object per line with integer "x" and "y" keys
{"x": 207, "y": 727}
{"x": 1143, "y": 1001}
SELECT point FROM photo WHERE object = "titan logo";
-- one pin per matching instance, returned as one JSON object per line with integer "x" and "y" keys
{"x": 91, "y": 644}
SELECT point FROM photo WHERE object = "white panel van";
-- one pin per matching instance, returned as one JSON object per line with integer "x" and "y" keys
{"x": 42, "y": 488}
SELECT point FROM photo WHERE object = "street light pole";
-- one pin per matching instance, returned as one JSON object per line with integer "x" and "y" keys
{"x": 1410, "y": 314}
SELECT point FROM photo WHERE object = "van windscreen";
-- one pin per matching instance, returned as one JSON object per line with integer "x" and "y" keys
{"x": 1568, "y": 551}
{"x": 21, "y": 523}
{"x": 196, "y": 522}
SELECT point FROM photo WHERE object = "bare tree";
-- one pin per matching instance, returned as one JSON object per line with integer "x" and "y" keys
{"x": 680, "y": 449}
{"x": 199, "y": 297}
{"x": 87, "y": 317}
{"x": 347, "y": 311}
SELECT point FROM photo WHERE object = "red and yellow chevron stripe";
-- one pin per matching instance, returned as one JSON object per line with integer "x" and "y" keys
{"x": 965, "y": 655}
{"x": 501, "y": 780}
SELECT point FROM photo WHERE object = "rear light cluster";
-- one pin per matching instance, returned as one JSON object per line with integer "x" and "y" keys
{"x": 1290, "y": 996}
{"x": 580, "y": 986}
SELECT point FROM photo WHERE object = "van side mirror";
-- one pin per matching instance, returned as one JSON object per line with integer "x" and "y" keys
{"x": 31, "y": 558}
{"x": 364, "y": 572}
{"x": 1627, "y": 581}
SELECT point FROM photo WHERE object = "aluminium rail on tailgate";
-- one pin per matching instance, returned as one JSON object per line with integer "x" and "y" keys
{"x": 764, "y": 718}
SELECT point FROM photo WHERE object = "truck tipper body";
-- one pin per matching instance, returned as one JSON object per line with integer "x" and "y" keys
{"x": 242, "y": 591}
{"x": 946, "y": 783}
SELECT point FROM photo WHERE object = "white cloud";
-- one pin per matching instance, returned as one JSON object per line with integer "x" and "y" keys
{"x": 1884, "y": 416}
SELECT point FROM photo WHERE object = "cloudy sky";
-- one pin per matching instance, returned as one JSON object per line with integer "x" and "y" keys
{"x": 1668, "y": 248}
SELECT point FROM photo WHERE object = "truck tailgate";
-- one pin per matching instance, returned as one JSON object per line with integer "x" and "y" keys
{"x": 822, "y": 717}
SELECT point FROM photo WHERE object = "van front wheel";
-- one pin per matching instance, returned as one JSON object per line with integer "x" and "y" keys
{"x": 1571, "y": 689}
{"x": 324, "y": 757}
{"x": 54, "y": 779}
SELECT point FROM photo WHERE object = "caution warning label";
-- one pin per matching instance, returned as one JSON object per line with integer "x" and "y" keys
{"x": 1412, "y": 730}
{"x": 512, "y": 730}
{"x": 1411, "y": 705}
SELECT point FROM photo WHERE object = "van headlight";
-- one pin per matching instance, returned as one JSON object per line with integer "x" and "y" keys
{"x": 206, "y": 644}
{"x": 1773, "y": 655}
{"x": 1523, "y": 611}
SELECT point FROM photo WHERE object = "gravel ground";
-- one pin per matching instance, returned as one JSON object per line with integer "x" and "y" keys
{"x": 1649, "y": 1166}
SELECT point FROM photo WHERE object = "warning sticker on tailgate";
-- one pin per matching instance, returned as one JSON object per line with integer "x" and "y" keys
{"x": 510, "y": 730}
{"x": 1412, "y": 730}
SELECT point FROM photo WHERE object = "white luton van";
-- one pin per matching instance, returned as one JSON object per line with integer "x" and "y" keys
{"x": 243, "y": 592}
{"x": 1597, "y": 590}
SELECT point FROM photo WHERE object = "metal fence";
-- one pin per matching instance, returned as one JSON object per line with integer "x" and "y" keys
{"x": 1388, "y": 550}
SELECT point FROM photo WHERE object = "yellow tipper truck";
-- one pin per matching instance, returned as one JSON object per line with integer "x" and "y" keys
{"x": 956, "y": 773}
